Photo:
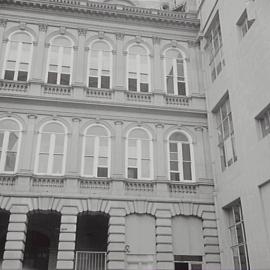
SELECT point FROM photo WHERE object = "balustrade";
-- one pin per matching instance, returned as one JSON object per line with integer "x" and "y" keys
{"x": 13, "y": 87}
{"x": 43, "y": 184}
{"x": 57, "y": 90}
{"x": 7, "y": 182}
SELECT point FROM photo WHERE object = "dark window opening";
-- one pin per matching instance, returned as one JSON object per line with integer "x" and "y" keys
{"x": 133, "y": 173}
{"x": 105, "y": 82}
{"x": 52, "y": 78}
{"x": 22, "y": 76}
{"x": 102, "y": 172}
{"x": 64, "y": 79}
{"x": 132, "y": 84}
{"x": 9, "y": 75}
{"x": 144, "y": 87}
{"x": 93, "y": 82}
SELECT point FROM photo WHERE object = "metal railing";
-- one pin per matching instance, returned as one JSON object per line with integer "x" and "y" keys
{"x": 90, "y": 260}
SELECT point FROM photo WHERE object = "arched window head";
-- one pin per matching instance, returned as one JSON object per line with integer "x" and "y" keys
{"x": 180, "y": 157}
{"x": 175, "y": 73}
{"x": 139, "y": 154}
{"x": 18, "y": 57}
{"x": 96, "y": 152}
{"x": 138, "y": 69}
{"x": 10, "y": 137}
{"x": 100, "y": 65}
{"x": 52, "y": 144}
{"x": 60, "y": 61}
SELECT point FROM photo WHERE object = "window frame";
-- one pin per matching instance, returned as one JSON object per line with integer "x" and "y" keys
{"x": 19, "y": 56}
{"x": 96, "y": 151}
{"x": 60, "y": 61}
{"x": 175, "y": 75}
{"x": 225, "y": 101}
{"x": 138, "y": 69}
{"x": 4, "y": 150}
{"x": 180, "y": 158}
{"x": 232, "y": 225}
{"x": 139, "y": 156}
{"x": 51, "y": 150}
{"x": 100, "y": 56}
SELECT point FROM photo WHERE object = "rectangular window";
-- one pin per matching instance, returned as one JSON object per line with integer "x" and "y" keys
{"x": 133, "y": 173}
{"x": 187, "y": 262}
{"x": 264, "y": 121}
{"x": 214, "y": 48}
{"x": 225, "y": 131}
{"x": 244, "y": 23}
{"x": 238, "y": 237}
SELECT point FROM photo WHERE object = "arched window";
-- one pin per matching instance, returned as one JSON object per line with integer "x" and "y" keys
{"x": 175, "y": 72}
{"x": 180, "y": 157}
{"x": 96, "y": 152}
{"x": 10, "y": 137}
{"x": 100, "y": 65}
{"x": 52, "y": 144}
{"x": 138, "y": 69}
{"x": 18, "y": 57}
{"x": 60, "y": 61}
{"x": 139, "y": 154}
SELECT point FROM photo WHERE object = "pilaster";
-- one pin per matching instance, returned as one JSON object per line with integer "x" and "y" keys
{"x": 38, "y": 62}
{"x": 119, "y": 65}
{"x": 67, "y": 239}
{"x": 118, "y": 152}
{"x": 157, "y": 74}
{"x": 116, "y": 239}
{"x": 210, "y": 239}
{"x": 15, "y": 240}
{"x": 3, "y": 43}
{"x": 160, "y": 158}
{"x": 164, "y": 247}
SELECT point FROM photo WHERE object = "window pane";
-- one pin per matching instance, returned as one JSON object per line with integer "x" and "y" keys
{"x": 45, "y": 143}
{"x": 240, "y": 236}
{"x": 25, "y": 53}
{"x": 243, "y": 260}
{"x": 100, "y": 46}
{"x": 13, "y": 51}
{"x": 174, "y": 156}
{"x": 145, "y": 168}
{"x": 187, "y": 170}
{"x": 97, "y": 130}
{"x": 9, "y": 124}
{"x": 64, "y": 79}
{"x": 52, "y": 77}
{"x": 180, "y": 68}
{"x": 93, "y": 82}
{"x": 9, "y": 75}
{"x": 181, "y": 88}
{"x": 53, "y": 127}
{"x": 13, "y": 141}
{"x": 170, "y": 85}
{"x": 89, "y": 146}
{"x": 132, "y": 84}
{"x": 144, "y": 87}
{"x": 66, "y": 56}
{"x": 186, "y": 152}
{"x": 226, "y": 128}
{"x": 132, "y": 162}
{"x": 102, "y": 172}
{"x": 145, "y": 149}
{"x": 175, "y": 176}
{"x": 1, "y": 139}
{"x": 138, "y": 133}
{"x": 233, "y": 236}
{"x": 236, "y": 258}
{"x": 174, "y": 165}
{"x": 54, "y": 55}
{"x": 43, "y": 163}
{"x": 22, "y": 76}
{"x": 132, "y": 148}
{"x": 103, "y": 161}
{"x": 196, "y": 267}
{"x": 132, "y": 173}
{"x": 59, "y": 143}
{"x": 10, "y": 161}
{"x": 57, "y": 164}
{"x": 88, "y": 165}
{"x": 179, "y": 136}
{"x": 137, "y": 50}
{"x": 173, "y": 147}
{"x": 105, "y": 82}
{"x": 103, "y": 147}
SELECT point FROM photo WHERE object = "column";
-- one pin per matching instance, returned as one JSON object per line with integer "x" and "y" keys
{"x": 3, "y": 43}
{"x": 39, "y": 63}
{"x": 116, "y": 239}
{"x": 119, "y": 63}
{"x": 67, "y": 239}
{"x": 16, "y": 237}
{"x": 164, "y": 247}
{"x": 210, "y": 239}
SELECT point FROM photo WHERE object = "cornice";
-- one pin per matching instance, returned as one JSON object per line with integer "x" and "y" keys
{"x": 188, "y": 20}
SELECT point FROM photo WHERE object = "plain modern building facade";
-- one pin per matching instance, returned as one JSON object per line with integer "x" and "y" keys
{"x": 117, "y": 120}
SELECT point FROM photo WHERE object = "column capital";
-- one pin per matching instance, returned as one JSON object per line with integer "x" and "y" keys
{"x": 32, "y": 116}
{"x": 3, "y": 23}
{"x": 43, "y": 27}
{"x": 82, "y": 32}
{"x": 76, "y": 120}
{"x": 118, "y": 123}
{"x": 159, "y": 125}
{"x": 119, "y": 36}
{"x": 156, "y": 40}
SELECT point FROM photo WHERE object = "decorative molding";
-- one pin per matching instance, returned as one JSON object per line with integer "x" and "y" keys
{"x": 76, "y": 120}
{"x": 138, "y": 39}
{"x": 101, "y": 35}
{"x": 22, "y": 26}
{"x": 199, "y": 128}
{"x": 32, "y": 116}
{"x": 159, "y": 125}
{"x": 118, "y": 123}
{"x": 156, "y": 40}
{"x": 119, "y": 36}
{"x": 174, "y": 43}
{"x": 82, "y": 32}
{"x": 192, "y": 44}
{"x": 43, "y": 27}
{"x": 62, "y": 30}
{"x": 3, "y": 23}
